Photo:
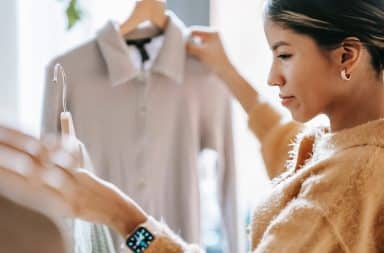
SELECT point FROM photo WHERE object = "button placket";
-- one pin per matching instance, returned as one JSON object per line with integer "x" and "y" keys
{"x": 142, "y": 112}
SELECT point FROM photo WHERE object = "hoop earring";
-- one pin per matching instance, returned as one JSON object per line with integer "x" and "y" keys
{"x": 345, "y": 76}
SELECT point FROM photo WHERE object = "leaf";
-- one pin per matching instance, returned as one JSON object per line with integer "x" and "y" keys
{"x": 74, "y": 14}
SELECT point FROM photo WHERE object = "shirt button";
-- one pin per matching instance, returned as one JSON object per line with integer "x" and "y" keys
{"x": 143, "y": 109}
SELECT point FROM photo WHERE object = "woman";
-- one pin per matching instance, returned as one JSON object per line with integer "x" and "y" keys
{"x": 328, "y": 57}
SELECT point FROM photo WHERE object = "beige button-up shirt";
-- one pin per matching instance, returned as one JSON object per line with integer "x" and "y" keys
{"x": 145, "y": 127}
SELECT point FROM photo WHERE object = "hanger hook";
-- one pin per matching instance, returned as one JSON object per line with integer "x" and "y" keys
{"x": 59, "y": 67}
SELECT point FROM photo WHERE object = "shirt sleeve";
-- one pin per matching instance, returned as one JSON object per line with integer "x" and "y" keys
{"x": 217, "y": 134}
{"x": 227, "y": 186}
{"x": 275, "y": 136}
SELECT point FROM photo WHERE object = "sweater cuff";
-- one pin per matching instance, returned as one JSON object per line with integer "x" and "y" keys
{"x": 167, "y": 241}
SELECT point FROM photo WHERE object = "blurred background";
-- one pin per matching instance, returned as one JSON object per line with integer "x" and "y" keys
{"x": 34, "y": 31}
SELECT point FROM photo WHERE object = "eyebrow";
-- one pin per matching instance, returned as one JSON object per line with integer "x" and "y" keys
{"x": 279, "y": 44}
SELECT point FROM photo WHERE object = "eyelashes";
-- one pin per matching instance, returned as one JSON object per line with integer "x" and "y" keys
{"x": 284, "y": 56}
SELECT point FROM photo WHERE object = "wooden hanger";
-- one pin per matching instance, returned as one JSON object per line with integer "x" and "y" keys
{"x": 67, "y": 127}
{"x": 146, "y": 10}
{"x": 68, "y": 133}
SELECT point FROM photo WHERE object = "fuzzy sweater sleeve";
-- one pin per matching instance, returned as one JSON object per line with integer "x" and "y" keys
{"x": 300, "y": 227}
{"x": 334, "y": 205}
{"x": 166, "y": 241}
{"x": 306, "y": 223}
{"x": 275, "y": 136}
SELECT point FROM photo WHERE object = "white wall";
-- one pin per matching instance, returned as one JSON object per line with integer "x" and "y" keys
{"x": 241, "y": 28}
{"x": 8, "y": 61}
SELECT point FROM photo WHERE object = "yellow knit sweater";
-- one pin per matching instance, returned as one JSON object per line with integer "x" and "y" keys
{"x": 328, "y": 196}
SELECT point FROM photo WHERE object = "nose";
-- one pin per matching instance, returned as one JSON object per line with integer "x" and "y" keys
{"x": 275, "y": 77}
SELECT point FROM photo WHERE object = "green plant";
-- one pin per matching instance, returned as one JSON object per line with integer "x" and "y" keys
{"x": 73, "y": 13}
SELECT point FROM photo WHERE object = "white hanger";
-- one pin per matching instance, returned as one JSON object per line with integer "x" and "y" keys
{"x": 67, "y": 126}
{"x": 146, "y": 10}
{"x": 66, "y": 121}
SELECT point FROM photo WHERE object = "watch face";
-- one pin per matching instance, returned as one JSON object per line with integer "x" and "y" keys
{"x": 140, "y": 240}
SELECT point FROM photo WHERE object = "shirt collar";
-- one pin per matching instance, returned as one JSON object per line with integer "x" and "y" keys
{"x": 170, "y": 60}
{"x": 153, "y": 49}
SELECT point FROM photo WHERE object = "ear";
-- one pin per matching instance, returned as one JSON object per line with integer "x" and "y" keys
{"x": 349, "y": 54}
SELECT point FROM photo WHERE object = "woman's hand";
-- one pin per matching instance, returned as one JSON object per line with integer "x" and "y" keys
{"x": 209, "y": 49}
{"x": 49, "y": 169}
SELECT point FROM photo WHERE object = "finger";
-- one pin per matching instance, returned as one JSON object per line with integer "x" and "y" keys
{"x": 17, "y": 162}
{"x": 16, "y": 186}
{"x": 7, "y": 175}
{"x": 64, "y": 184}
{"x": 60, "y": 164}
{"x": 72, "y": 145}
{"x": 61, "y": 182}
{"x": 62, "y": 160}
{"x": 23, "y": 164}
{"x": 203, "y": 32}
{"x": 61, "y": 153}
{"x": 20, "y": 188}
{"x": 203, "y": 37}
{"x": 22, "y": 142}
{"x": 193, "y": 49}
{"x": 53, "y": 198}
{"x": 55, "y": 178}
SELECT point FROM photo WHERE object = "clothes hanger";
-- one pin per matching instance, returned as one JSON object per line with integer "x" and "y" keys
{"x": 68, "y": 133}
{"x": 146, "y": 10}
{"x": 67, "y": 126}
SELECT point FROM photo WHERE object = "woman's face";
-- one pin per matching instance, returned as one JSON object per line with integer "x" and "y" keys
{"x": 305, "y": 74}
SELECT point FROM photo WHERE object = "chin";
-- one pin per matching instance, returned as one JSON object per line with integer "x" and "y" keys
{"x": 302, "y": 117}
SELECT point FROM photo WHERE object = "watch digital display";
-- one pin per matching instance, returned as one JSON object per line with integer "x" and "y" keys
{"x": 140, "y": 240}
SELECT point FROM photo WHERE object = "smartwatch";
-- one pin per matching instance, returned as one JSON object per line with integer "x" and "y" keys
{"x": 142, "y": 237}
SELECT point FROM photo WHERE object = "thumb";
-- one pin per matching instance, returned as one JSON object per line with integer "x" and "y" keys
{"x": 193, "y": 49}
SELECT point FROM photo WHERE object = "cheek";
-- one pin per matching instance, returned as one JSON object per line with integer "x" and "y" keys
{"x": 310, "y": 85}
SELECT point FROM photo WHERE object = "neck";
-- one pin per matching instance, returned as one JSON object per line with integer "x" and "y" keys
{"x": 361, "y": 107}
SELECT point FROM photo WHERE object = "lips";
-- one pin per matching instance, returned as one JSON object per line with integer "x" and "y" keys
{"x": 286, "y": 100}
{"x": 284, "y": 96}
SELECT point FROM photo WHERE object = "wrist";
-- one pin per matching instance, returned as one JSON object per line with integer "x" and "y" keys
{"x": 239, "y": 87}
{"x": 225, "y": 69}
{"x": 127, "y": 218}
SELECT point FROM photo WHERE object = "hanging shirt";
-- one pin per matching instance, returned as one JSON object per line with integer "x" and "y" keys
{"x": 145, "y": 127}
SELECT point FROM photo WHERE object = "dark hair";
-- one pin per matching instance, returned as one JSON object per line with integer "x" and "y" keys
{"x": 330, "y": 22}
